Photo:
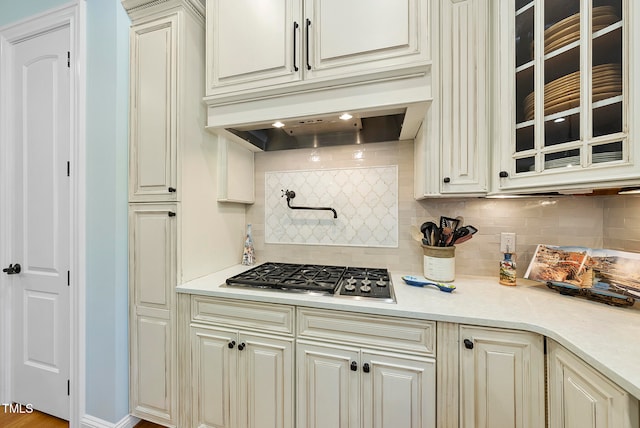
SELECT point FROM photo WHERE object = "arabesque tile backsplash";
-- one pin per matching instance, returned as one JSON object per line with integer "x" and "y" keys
{"x": 594, "y": 221}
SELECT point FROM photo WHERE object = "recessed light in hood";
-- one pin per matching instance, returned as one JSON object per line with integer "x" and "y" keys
{"x": 325, "y": 131}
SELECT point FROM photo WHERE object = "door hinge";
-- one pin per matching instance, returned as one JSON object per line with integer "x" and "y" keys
{"x": 68, "y": 278}
{"x": 68, "y": 387}
{"x": 68, "y": 59}
{"x": 68, "y": 168}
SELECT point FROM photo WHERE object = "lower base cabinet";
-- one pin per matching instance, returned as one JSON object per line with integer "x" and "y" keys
{"x": 342, "y": 386}
{"x": 241, "y": 379}
{"x": 501, "y": 378}
{"x": 579, "y": 396}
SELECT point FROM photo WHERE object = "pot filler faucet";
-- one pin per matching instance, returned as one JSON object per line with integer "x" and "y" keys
{"x": 290, "y": 194}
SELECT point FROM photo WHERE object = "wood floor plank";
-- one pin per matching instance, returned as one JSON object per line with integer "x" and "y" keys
{"x": 42, "y": 420}
{"x": 29, "y": 420}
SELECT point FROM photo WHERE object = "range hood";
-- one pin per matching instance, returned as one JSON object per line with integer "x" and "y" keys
{"x": 311, "y": 115}
{"x": 325, "y": 130}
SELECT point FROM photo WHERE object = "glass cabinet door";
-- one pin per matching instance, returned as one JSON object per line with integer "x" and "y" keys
{"x": 569, "y": 85}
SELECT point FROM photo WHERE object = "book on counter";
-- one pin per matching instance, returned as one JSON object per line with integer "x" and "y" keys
{"x": 609, "y": 276}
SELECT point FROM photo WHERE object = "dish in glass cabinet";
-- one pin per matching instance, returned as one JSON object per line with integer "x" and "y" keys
{"x": 564, "y": 93}
{"x": 567, "y": 30}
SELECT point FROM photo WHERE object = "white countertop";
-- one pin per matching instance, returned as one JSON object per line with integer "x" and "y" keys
{"x": 606, "y": 337}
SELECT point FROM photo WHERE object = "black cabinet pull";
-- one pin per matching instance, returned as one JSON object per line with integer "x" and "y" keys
{"x": 354, "y": 366}
{"x": 366, "y": 368}
{"x": 172, "y": 190}
{"x": 503, "y": 174}
{"x": 307, "y": 32}
{"x": 232, "y": 344}
{"x": 171, "y": 214}
{"x": 447, "y": 179}
{"x": 295, "y": 45}
{"x": 241, "y": 346}
{"x": 468, "y": 344}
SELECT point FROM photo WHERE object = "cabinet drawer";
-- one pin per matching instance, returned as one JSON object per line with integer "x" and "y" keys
{"x": 368, "y": 330}
{"x": 256, "y": 316}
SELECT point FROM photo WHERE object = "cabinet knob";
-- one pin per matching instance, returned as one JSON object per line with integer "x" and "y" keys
{"x": 232, "y": 344}
{"x": 503, "y": 174}
{"x": 241, "y": 346}
{"x": 172, "y": 190}
{"x": 468, "y": 344}
{"x": 366, "y": 368}
{"x": 354, "y": 366}
{"x": 446, "y": 179}
{"x": 171, "y": 214}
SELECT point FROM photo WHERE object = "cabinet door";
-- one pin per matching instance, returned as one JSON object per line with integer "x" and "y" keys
{"x": 265, "y": 382}
{"x": 398, "y": 391}
{"x": 360, "y": 36}
{"x": 501, "y": 379}
{"x": 564, "y": 94}
{"x": 152, "y": 255}
{"x": 152, "y": 145}
{"x": 214, "y": 377}
{"x": 252, "y": 45}
{"x": 152, "y": 366}
{"x": 579, "y": 396}
{"x": 152, "y": 279}
{"x": 328, "y": 388}
{"x": 464, "y": 101}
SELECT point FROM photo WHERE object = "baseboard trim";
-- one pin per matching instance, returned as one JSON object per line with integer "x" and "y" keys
{"x": 89, "y": 421}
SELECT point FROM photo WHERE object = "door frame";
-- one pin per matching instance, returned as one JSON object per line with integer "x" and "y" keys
{"x": 73, "y": 15}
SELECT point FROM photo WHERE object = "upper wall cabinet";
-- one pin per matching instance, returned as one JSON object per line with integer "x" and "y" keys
{"x": 451, "y": 149}
{"x": 153, "y": 145}
{"x": 565, "y": 100}
{"x": 261, "y": 46}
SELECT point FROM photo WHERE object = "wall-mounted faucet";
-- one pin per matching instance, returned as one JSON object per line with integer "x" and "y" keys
{"x": 290, "y": 194}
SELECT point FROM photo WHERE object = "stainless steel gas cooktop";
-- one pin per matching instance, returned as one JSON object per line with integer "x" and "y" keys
{"x": 342, "y": 281}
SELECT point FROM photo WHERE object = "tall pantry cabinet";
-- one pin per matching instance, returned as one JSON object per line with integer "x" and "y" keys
{"x": 177, "y": 229}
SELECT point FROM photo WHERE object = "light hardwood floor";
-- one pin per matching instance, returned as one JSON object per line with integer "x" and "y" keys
{"x": 29, "y": 420}
{"x": 42, "y": 420}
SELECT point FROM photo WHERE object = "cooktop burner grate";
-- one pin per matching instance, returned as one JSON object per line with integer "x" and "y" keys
{"x": 357, "y": 282}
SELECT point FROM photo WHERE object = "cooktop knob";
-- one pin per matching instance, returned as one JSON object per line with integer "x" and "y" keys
{"x": 366, "y": 282}
{"x": 350, "y": 286}
{"x": 381, "y": 283}
{"x": 351, "y": 281}
{"x": 365, "y": 288}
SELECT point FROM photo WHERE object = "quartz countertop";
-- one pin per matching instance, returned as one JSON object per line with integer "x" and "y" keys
{"x": 604, "y": 336}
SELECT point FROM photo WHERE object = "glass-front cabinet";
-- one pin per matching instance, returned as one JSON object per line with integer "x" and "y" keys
{"x": 564, "y": 103}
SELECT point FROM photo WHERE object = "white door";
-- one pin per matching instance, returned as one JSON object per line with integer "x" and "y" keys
{"x": 40, "y": 226}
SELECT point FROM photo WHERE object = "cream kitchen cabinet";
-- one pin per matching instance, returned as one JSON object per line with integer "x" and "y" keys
{"x": 363, "y": 371}
{"x": 239, "y": 371}
{"x": 241, "y": 379}
{"x": 287, "y": 43}
{"x": 565, "y": 98}
{"x": 579, "y": 396}
{"x": 501, "y": 378}
{"x": 152, "y": 273}
{"x": 341, "y": 386}
{"x": 152, "y": 144}
{"x": 177, "y": 231}
{"x": 452, "y": 146}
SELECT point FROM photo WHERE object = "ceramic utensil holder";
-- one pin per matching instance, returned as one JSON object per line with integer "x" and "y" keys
{"x": 439, "y": 263}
